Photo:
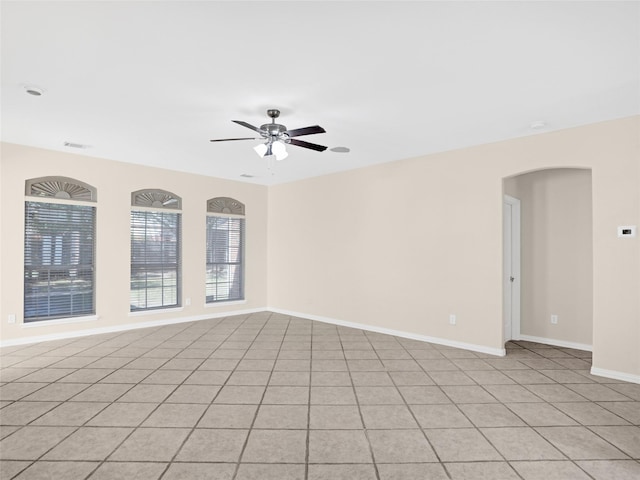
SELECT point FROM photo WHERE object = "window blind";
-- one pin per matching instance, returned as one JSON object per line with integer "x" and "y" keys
{"x": 59, "y": 261}
{"x": 225, "y": 259}
{"x": 155, "y": 260}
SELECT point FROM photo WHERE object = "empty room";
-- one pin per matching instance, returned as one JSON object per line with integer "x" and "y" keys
{"x": 304, "y": 240}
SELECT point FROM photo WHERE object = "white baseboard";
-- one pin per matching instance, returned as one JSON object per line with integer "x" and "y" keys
{"x": 123, "y": 328}
{"x": 501, "y": 352}
{"x": 625, "y": 377}
{"x": 556, "y": 343}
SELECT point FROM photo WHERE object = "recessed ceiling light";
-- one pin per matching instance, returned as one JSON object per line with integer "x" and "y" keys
{"x": 340, "y": 149}
{"x": 538, "y": 125}
{"x": 35, "y": 91}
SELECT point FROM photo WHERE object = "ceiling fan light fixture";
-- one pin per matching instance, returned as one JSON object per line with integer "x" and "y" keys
{"x": 276, "y": 137}
{"x": 261, "y": 149}
{"x": 279, "y": 150}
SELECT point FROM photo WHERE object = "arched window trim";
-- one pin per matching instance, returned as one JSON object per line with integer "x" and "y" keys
{"x": 225, "y": 206}
{"x": 60, "y": 188}
{"x": 156, "y": 198}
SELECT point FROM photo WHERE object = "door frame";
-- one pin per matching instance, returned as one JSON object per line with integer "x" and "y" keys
{"x": 511, "y": 263}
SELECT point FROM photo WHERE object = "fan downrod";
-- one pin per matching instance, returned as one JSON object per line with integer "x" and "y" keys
{"x": 273, "y": 130}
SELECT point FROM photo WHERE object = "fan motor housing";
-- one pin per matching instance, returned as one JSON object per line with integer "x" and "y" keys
{"x": 273, "y": 129}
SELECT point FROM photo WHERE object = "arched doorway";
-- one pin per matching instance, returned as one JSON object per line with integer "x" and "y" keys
{"x": 555, "y": 288}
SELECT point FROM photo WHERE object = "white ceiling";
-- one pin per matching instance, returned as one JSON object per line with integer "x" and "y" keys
{"x": 151, "y": 82}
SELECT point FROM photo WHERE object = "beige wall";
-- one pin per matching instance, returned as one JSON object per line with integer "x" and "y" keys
{"x": 398, "y": 246}
{"x": 115, "y": 181}
{"x": 404, "y": 244}
{"x": 556, "y": 258}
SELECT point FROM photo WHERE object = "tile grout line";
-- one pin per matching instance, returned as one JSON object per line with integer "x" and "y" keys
{"x": 580, "y": 424}
{"x": 566, "y": 457}
{"x": 307, "y": 452}
{"x": 255, "y": 415}
{"x": 75, "y": 428}
{"x": 115, "y": 400}
{"x": 193, "y": 429}
{"x": 415, "y": 419}
{"x": 376, "y": 348}
{"x": 355, "y": 394}
{"x": 134, "y": 428}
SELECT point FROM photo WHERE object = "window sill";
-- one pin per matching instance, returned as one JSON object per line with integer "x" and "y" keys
{"x": 59, "y": 321}
{"x": 224, "y": 304}
{"x": 154, "y": 311}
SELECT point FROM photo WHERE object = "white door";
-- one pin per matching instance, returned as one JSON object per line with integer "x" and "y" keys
{"x": 511, "y": 268}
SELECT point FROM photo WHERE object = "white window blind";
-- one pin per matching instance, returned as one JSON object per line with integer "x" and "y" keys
{"x": 225, "y": 259}
{"x": 59, "y": 261}
{"x": 155, "y": 260}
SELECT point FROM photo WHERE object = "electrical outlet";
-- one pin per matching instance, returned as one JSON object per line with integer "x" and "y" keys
{"x": 554, "y": 319}
{"x": 187, "y": 301}
{"x": 452, "y": 319}
{"x": 11, "y": 318}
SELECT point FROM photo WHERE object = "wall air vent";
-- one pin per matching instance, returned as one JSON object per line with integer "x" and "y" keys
{"x": 75, "y": 145}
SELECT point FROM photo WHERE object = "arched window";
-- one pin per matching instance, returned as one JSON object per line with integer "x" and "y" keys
{"x": 225, "y": 205}
{"x": 155, "y": 250}
{"x": 225, "y": 250}
{"x": 59, "y": 249}
{"x": 156, "y": 199}
{"x": 60, "y": 187}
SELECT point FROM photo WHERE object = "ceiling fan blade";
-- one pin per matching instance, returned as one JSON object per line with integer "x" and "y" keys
{"x": 229, "y": 139}
{"x": 298, "y": 132}
{"x": 312, "y": 146}
{"x": 248, "y": 125}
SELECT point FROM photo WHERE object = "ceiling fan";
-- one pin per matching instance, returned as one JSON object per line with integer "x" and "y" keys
{"x": 277, "y": 135}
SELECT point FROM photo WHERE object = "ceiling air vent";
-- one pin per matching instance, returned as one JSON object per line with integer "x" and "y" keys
{"x": 33, "y": 90}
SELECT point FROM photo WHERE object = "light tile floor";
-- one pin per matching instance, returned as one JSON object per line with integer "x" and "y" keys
{"x": 266, "y": 396}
